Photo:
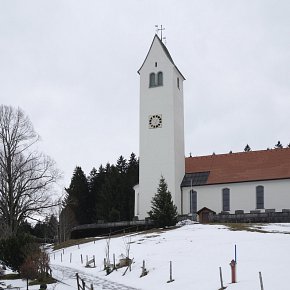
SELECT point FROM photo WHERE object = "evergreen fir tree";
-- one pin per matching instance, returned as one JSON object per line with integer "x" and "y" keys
{"x": 78, "y": 196}
{"x": 163, "y": 211}
{"x": 107, "y": 192}
{"x": 121, "y": 165}
{"x": 247, "y": 148}
{"x": 278, "y": 145}
{"x": 96, "y": 183}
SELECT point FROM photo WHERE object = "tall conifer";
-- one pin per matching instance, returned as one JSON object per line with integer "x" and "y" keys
{"x": 163, "y": 211}
{"x": 78, "y": 196}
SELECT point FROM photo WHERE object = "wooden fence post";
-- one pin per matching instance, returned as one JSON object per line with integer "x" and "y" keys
{"x": 78, "y": 284}
{"x": 61, "y": 257}
{"x": 144, "y": 271}
{"x": 170, "y": 273}
{"x": 94, "y": 261}
{"x": 70, "y": 257}
{"x": 261, "y": 281}
{"x": 221, "y": 278}
{"x": 84, "y": 285}
{"x": 92, "y": 287}
{"x": 81, "y": 258}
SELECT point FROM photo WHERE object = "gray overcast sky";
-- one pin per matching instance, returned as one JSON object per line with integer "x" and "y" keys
{"x": 72, "y": 66}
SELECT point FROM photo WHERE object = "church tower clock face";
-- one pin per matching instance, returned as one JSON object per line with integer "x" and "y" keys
{"x": 155, "y": 121}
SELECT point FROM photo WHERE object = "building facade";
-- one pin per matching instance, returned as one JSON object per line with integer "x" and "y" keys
{"x": 247, "y": 181}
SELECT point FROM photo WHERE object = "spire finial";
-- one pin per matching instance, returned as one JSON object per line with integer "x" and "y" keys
{"x": 161, "y": 28}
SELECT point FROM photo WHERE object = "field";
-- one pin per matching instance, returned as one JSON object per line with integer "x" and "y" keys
{"x": 196, "y": 251}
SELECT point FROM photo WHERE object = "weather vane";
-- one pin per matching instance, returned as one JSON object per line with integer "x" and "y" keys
{"x": 161, "y": 28}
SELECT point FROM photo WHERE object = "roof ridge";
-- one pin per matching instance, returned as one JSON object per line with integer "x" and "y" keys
{"x": 240, "y": 153}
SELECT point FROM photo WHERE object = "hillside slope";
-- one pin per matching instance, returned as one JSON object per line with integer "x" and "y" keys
{"x": 196, "y": 251}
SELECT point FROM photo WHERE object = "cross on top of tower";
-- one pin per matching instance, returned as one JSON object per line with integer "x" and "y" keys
{"x": 161, "y": 28}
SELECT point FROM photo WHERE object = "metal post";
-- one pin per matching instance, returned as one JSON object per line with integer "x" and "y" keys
{"x": 236, "y": 253}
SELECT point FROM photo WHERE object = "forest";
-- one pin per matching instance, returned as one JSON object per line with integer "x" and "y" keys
{"x": 105, "y": 195}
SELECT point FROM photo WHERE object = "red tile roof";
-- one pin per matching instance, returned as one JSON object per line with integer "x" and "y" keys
{"x": 243, "y": 166}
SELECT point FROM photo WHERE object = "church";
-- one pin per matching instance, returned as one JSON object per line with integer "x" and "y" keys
{"x": 254, "y": 181}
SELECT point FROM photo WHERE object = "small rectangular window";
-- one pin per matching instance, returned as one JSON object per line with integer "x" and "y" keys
{"x": 178, "y": 82}
{"x": 155, "y": 64}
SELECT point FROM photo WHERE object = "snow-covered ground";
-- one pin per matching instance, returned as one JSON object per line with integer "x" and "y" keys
{"x": 196, "y": 251}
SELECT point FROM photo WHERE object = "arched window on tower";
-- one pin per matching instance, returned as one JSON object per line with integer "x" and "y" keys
{"x": 152, "y": 82}
{"x": 193, "y": 201}
{"x": 260, "y": 197}
{"x": 226, "y": 199}
{"x": 160, "y": 79}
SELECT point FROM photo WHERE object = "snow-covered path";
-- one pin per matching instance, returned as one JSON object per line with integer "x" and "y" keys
{"x": 67, "y": 276}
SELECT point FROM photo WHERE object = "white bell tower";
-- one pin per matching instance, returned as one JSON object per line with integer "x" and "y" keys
{"x": 161, "y": 128}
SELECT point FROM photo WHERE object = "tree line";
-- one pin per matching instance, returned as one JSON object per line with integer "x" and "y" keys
{"x": 105, "y": 195}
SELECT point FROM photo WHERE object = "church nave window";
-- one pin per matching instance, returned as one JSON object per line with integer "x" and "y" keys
{"x": 193, "y": 201}
{"x": 260, "y": 197}
{"x": 226, "y": 199}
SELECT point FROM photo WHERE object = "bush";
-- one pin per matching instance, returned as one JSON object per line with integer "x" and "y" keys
{"x": 14, "y": 250}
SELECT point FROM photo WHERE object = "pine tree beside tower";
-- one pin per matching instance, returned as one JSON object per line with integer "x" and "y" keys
{"x": 163, "y": 212}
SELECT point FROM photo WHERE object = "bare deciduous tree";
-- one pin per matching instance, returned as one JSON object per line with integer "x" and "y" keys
{"x": 25, "y": 174}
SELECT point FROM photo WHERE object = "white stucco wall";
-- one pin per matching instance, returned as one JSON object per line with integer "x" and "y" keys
{"x": 161, "y": 149}
{"x": 242, "y": 196}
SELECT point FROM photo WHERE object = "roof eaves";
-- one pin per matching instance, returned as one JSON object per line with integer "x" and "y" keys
{"x": 240, "y": 181}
